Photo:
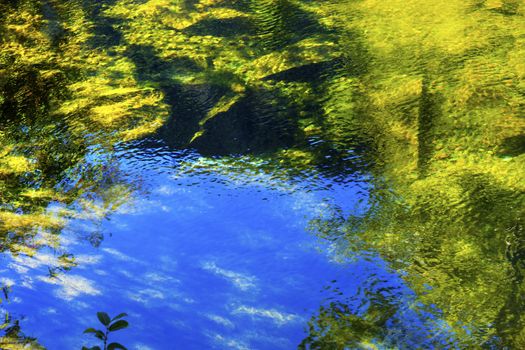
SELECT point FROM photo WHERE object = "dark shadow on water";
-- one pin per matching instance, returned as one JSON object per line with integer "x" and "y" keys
{"x": 315, "y": 73}
{"x": 262, "y": 121}
{"x": 512, "y": 146}
{"x": 103, "y": 28}
{"x": 280, "y": 23}
{"x": 259, "y": 121}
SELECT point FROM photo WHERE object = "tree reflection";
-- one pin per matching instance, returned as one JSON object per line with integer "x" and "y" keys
{"x": 63, "y": 105}
{"x": 437, "y": 107}
{"x": 11, "y": 335}
{"x": 339, "y": 326}
{"x": 381, "y": 314}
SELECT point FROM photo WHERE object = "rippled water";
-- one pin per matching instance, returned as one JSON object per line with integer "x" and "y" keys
{"x": 207, "y": 255}
{"x": 263, "y": 174}
{"x": 199, "y": 259}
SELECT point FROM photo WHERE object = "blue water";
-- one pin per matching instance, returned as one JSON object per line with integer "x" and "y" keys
{"x": 203, "y": 254}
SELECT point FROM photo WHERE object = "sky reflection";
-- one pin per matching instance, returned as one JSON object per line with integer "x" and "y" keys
{"x": 211, "y": 260}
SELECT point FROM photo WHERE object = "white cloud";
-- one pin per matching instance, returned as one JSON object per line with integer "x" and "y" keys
{"x": 221, "y": 320}
{"x": 139, "y": 346}
{"x": 151, "y": 277}
{"x": 7, "y": 282}
{"x": 144, "y": 296}
{"x": 241, "y": 281}
{"x": 50, "y": 311}
{"x": 37, "y": 260}
{"x": 280, "y": 318}
{"x": 71, "y": 286}
{"x": 229, "y": 343}
{"x": 165, "y": 190}
{"x": 87, "y": 259}
{"x": 118, "y": 255}
{"x": 18, "y": 268}
{"x": 27, "y": 282}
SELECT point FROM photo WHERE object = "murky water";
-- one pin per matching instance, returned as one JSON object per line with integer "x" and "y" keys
{"x": 263, "y": 174}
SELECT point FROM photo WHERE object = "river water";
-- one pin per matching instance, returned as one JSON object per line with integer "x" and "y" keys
{"x": 263, "y": 174}
{"x": 204, "y": 255}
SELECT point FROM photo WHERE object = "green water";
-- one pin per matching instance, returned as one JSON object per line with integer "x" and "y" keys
{"x": 426, "y": 99}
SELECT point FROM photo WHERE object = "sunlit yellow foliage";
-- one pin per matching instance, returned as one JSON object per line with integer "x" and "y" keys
{"x": 90, "y": 94}
{"x": 14, "y": 165}
{"x": 439, "y": 94}
{"x": 14, "y": 343}
{"x": 45, "y": 193}
{"x": 12, "y": 221}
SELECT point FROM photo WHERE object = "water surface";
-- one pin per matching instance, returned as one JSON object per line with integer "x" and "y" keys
{"x": 263, "y": 174}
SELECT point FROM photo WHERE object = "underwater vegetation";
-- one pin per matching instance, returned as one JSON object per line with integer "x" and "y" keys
{"x": 427, "y": 98}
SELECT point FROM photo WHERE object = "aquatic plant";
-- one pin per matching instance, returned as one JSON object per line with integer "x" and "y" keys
{"x": 111, "y": 325}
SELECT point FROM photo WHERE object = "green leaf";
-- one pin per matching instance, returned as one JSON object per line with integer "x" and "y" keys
{"x": 115, "y": 346}
{"x": 90, "y": 330}
{"x": 103, "y": 318}
{"x": 119, "y": 316}
{"x": 100, "y": 335}
{"x": 118, "y": 325}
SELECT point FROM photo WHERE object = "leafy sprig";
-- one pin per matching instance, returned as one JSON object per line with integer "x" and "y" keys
{"x": 111, "y": 325}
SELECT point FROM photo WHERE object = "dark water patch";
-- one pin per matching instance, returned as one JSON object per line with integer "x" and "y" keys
{"x": 280, "y": 23}
{"x": 512, "y": 146}
{"x": 148, "y": 66}
{"x": 189, "y": 105}
{"x": 313, "y": 72}
{"x": 55, "y": 29}
{"x": 259, "y": 122}
{"x": 189, "y": 5}
{"x": 429, "y": 112}
{"x": 105, "y": 34}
